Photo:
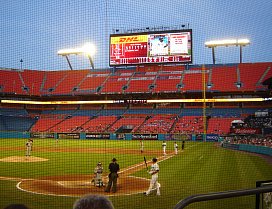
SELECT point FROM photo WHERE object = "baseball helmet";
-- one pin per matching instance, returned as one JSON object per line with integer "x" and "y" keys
{"x": 154, "y": 160}
{"x": 114, "y": 159}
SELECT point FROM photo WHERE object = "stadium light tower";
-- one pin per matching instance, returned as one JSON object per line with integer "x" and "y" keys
{"x": 88, "y": 50}
{"x": 228, "y": 42}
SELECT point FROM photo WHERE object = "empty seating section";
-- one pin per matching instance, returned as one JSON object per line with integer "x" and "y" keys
{"x": 139, "y": 120}
{"x": 140, "y": 111}
{"x": 157, "y": 124}
{"x": 13, "y": 112}
{"x": 268, "y": 73}
{"x": 51, "y": 80}
{"x": 92, "y": 81}
{"x": 33, "y": 80}
{"x": 189, "y": 125}
{"x": 193, "y": 81}
{"x": 186, "y": 118}
{"x": 70, "y": 82}
{"x": 15, "y": 123}
{"x": 61, "y": 113}
{"x": 173, "y": 68}
{"x": 165, "y": 111}
{"x": 140, "y": 82}
{"x": 227, "y": 104}
{"x": 10, "y": 82}
{"x": 116, "y": 83}
{"x": 132, "y": 122}
{"x": 191, "y": 112}
{"x": 45, "y": 124}
{"x": 116, "y": 112}
{"x": 89, "y": 113}
{"x": 219, "y": 125}
{"x": 250, "y": 75}
{"x": 70, "y": 124}
{"x": 115, "y": 106}
{"x": 167, "y": 82}
{"x": 224, "y": 78}
{"x": 98, "y": 124}
{"x": 225, "y": 112}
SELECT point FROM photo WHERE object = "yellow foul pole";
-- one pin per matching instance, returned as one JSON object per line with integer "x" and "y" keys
{"x": 204, "y": 102}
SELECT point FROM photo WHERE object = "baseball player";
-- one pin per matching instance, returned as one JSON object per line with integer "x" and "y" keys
{"x": 183, "y": 145}
{"x": 154, "y": 172}
{"x": 98, "y": 175}
{"x": 164, "y": 147}
{"x": 142, "y": 146}
{"x": 176, "y": 148}
{"x": 28, "y": 147}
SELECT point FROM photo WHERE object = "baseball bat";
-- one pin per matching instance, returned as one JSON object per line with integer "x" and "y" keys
{"x": 145, "y": 163}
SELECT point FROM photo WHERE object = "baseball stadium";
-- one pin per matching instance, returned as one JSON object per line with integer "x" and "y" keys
{"x": 153, "y": 105}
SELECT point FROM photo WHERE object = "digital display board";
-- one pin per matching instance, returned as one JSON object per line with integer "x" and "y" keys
{"x": 151, "y": 47}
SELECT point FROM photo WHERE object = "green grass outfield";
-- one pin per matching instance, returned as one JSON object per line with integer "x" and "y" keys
{"x": 201, "y": 168}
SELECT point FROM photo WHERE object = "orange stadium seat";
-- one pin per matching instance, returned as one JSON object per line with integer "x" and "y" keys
{"x": 70, "y": 82}
{"x": 11, "y": 82}
{"x": 250, "y": 75}
{"x": 33, "y": 80}
{"x": 224, "y": 78}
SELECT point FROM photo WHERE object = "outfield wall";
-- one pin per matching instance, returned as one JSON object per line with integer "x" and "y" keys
{"x": 115, "y": 136}
{"x": 250, "y": 148}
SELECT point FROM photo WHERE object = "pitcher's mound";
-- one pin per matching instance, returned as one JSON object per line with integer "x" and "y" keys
{"x": 22, "y": 159}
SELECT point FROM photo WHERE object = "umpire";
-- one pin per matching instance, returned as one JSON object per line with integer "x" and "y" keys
{"x": 114, "y": 168}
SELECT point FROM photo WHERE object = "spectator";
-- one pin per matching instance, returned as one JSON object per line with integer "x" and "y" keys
{"x": 16, "y": 206}
{"x": 93, "y": 202}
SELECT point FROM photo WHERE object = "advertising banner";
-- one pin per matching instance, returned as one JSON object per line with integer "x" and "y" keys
{"x": 145, "y": 136}
{"x": 246, "y": 131}
{"x": 97, "y": 136}
{"x": 42, "y": 135}
{"x": 68, "y": 136}
{"x": 212, "y": 137}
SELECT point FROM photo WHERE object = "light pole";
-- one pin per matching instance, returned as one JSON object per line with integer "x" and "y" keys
{"x": 88, "y": 49}
{"x": 228, "y": 42}
{"x": 21, "y": 62}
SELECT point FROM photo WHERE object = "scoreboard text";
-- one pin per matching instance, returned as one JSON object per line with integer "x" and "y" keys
{"x": 144, "y": 48}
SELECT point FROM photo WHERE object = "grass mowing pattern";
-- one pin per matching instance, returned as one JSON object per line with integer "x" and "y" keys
{"x": 201, "y": 168}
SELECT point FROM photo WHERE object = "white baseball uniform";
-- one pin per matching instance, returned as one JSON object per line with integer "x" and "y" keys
{"x": 154, "y": 184}
{"x": 176, "y": 148}
{"x": 28, "y": 148}
{"x": 98, "y": 175}
{"x": 164, "y": 148}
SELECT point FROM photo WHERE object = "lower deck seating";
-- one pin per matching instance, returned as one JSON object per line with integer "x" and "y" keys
{"x": 155, "y": 120}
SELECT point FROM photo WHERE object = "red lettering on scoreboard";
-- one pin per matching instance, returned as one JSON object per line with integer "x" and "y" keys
{"x": 129, "y": 39}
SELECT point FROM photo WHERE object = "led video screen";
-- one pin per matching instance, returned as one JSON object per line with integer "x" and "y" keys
{"x": 151, "y": 47}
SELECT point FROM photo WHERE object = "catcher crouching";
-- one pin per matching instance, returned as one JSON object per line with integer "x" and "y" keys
{"x": 98, "y": 175}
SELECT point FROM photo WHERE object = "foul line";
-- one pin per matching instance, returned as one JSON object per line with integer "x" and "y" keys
{"x": 162, "y": 158}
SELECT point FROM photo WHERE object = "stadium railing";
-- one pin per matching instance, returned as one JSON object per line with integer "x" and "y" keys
{"x": 222, "y": 195}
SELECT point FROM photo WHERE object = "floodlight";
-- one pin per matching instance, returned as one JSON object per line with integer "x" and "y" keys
{"x": 227, "y": 42}
{"x": 88, "y": 49}
{"x": 65, "y": 52}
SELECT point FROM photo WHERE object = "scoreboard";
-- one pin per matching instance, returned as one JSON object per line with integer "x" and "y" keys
{"x": 147, "y": 48}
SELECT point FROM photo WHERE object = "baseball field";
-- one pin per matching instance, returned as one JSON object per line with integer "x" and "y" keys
{"x": 58, "y": 173}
